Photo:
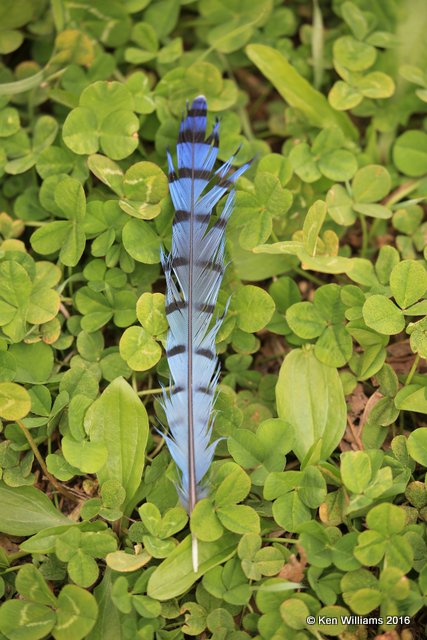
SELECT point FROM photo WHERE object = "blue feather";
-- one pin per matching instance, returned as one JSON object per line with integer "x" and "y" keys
{"x": 194, "y": 271}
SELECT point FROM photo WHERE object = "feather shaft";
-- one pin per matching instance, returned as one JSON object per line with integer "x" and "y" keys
{"x": 193, "y": 271}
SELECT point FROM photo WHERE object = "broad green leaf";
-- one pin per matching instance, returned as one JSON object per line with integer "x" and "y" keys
{"x": 356, "y": 470}
{"x": 294, "y": 613}
{"x": 26, "y": 510}
{"x": 21, "y": 620}
{"x": 386, "y": 518}
{"x": 376, "y": 85}
{"x": 412, "y": 398}
{"x": 32, "y": 586}
{"x": 417, "y": 445}
{"x": 108, "y": 171}
{"x": 304, "y": 320}
{"x": 110, "y": 624}
{"x": 83, "y": 569}
{"x": 15, "y": 401}
{"x": 254, "y": 308}
{"x": 290, "y": 512}
{"x": 408, "y": 282}
{"x": 141, "y": 241}
{"x": 119, "y": 421}
{"x": 175, "y": 575}
{"x": 310, "y": 397}
{"x": 87, "y": 456}
{"x": 340, "y": 205}
{"x": 382, "y": 315}
{"x": 234, "y": 488}
{"x": 126, "y": 562}
{"x": 139, "y": 349}
{"x": 79, "y": 131}
{"x": 150, "y": 311}
{"x": 371, "y": 183}
{"x": 239, "y": 518}
{"x": 353, "y": 54}
{"x": 312, "y": 224}
{"x": 34, "y": 362}
{"x": 331, "y": 613}
{"x": 296, "y": 90}
{"x": 76, "y": 613}
{"x": 312, "y": 489}
{"x": 343, "y": 96}
{"x": 410, "y": 153}
{"x": 204, "y": 521}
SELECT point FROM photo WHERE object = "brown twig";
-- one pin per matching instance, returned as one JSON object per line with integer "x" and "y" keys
{"x": 53, "y": 481}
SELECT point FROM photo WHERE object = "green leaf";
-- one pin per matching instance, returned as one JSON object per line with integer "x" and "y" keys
{"x": 76, "y": 614}
{"x": 109, "y": 624}
{"x": 342, "y": 96}
{"x": 204, "y": 522}
{"x": 104, "y": 118}
{"x": 371, "y": 183}
{"x": 290, "y": 511}
{"x": 20, "y": 620}
{"x": 127, "y": 562}
{"x": 340, "y": 205}
{"x": 70, "y": 198}
{"x": 175, "y": 575}
{"x": 410, "y": 153}
{"x": 304, "y": 320}
{"x": 296, "y": 90}
{"x": 376, "y": 85}
{"x": 119, "y": 421}
{"x": 408, "y": 282}
{"x": 386, "y": 518}
{"x": 87, "y": 456}
{"x": 417, "y": 445}
{"x": 15, "y": 401}
{"x": 26, "y": 510}
{"x": 141, "y": 241}
{"x": 79, "y": 131}
{"x": 382, "y": 315}
{"x": 294, "y": 613}
{"x": 9, "y": 121}
{"x": 412, "y": 398}
{"x": 234, "y": 488}
{"x": 150, "y": 311}
{"x": 316, "y": 408}
{"x": 139, "y": 349}
{"x": 107, "y": 171}
{"x": 32, "y": 586}
{"x": 312, "y": 224}
{"x": 353, "y": 54}
{"x": 331, "y": 612}
{"x": 356, "y": 470}
{"x": 338, "y": 164}
{"x": 239, "y": 518}
{"x": 313, "y": 487}
{"x": 83, "y": 569}
{"x": 254, "y": 308}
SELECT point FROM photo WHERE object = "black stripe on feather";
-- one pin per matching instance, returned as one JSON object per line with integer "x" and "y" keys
{"x": 197, "y": 113}
{"x": 178, "y": 348}
{"x": 191, "y": 135}
{"x": 175, "y": 305}
{"x": 206, "y": 353}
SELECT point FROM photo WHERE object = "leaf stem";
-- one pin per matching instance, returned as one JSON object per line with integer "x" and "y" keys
{"x": 53, "y": 481}
{"x": 413, "y": 369}
{"x": 364, "y": 227}
{"x": 147, "y": 392}
{"x": 290, "y": 540}
{"x": 308, "y": 276}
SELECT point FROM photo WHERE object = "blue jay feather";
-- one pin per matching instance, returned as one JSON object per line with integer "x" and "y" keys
{"x": 194, "y": 271}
